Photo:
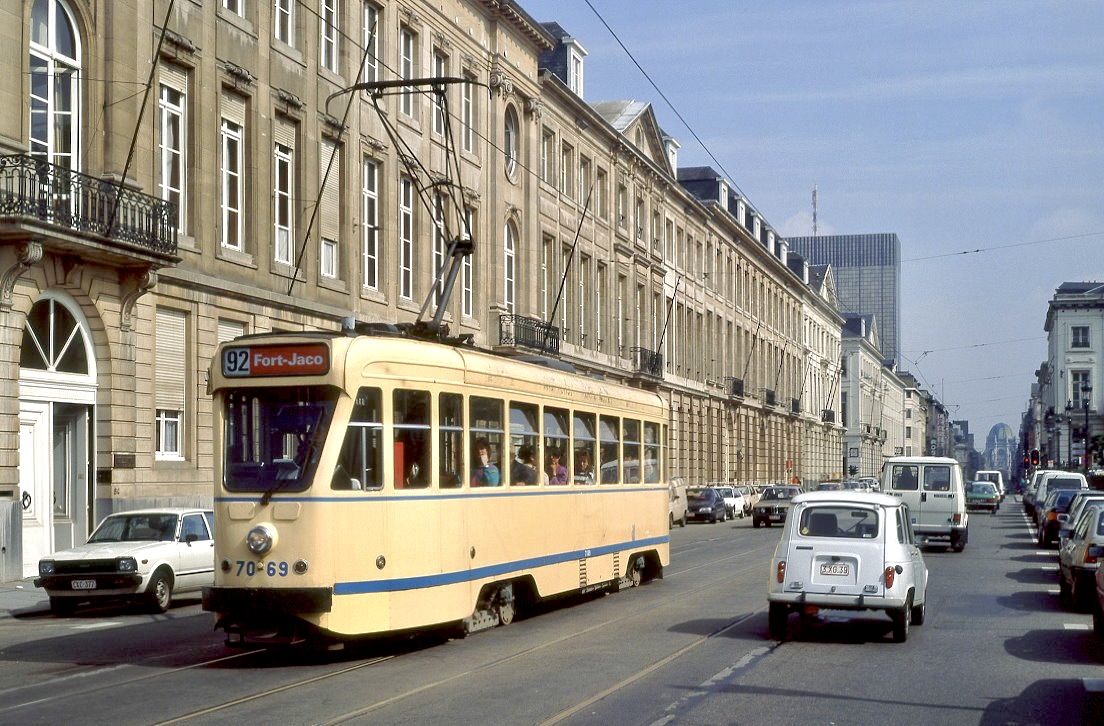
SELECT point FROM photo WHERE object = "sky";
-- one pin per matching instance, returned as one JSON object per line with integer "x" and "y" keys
{"x": 972, "y": 130}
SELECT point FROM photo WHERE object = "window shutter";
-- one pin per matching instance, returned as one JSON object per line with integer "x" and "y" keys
{"x": 169, "y": 360}
{"x": 330, "y": 213}
{"x": 229, "y": 329}
{"x": 284, "y": 133}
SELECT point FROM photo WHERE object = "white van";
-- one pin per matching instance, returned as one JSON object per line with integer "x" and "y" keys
{"x": 932, "y": 487}
{"x": 678, "y": 507}
{"x": 993, "y": 476}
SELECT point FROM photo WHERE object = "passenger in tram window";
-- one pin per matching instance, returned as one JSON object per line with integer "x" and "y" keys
{"x": 523, "y": 471}
{"x": 485, "y": 473}
{"x": 557, "y": 472}
{"x": 584, "y": 474}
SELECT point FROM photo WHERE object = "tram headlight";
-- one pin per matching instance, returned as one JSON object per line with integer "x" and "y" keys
{"x": 261, "y": 539}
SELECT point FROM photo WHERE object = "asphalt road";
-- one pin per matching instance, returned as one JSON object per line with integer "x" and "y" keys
{"x": 689, "y": 649}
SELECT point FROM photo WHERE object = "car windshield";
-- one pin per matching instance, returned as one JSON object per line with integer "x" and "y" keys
{"x": 274, "y": 436}
{"x": 701, "y": 495}
{"x": 1064, "y": 482}
{"x": 981, "y": 487}
{"x": 143, "y": 527}
{"x": 779, "y": 494}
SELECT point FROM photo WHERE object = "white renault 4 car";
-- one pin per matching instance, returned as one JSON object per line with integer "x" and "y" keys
{"x": 844, "y": 550}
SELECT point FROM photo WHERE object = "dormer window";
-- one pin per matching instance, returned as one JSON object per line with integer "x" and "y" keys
{"x": 575, "y": 55}
{"x": 722, "y": 191}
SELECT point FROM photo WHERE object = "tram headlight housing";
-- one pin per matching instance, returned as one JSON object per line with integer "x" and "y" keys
{"x": 261, "y": 539}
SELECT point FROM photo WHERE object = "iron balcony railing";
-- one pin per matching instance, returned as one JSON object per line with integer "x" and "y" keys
{"x": 37, "y": 189}
{"x": 647, "y": 362}
{"x": 528, "y": 333}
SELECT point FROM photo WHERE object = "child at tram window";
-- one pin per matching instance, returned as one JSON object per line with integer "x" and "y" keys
{"x": 485, "y": 473}
{"x": 522, "y": 471}
{"x": 557, "y": 472}
{"x": 584, "y": 474}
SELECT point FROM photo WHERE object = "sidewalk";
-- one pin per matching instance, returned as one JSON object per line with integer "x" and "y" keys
{"x": 21, "y": 597}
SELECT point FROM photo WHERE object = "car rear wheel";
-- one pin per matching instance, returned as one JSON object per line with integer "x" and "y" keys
{"x": 159, "y": 592}
{"x": 682, "y": 522}
{"x": 1098, "y": 619}
{"x": 919, "y": 612}
{"x": 901, "y": 620}
{"x": 756, "y": 523}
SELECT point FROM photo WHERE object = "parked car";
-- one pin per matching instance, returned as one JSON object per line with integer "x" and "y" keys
{"x": 1052, "y": 514}
{"x": 1079, "y": 559}
{"x": 1052, "y": 480}
{"x": 982, "y": 495}
{"x": 706, "y": 505}
{"x": 678, "y": 506}
{"x": 751, "y": 498}
{"x": 848, "y": 551}
{"x": 146, "y": 555}
{"x": 734, "y": 501}
{"x": 1029, "y": 491}
{"x": 773, "y": 505}
{"x": 1081, "y": 500}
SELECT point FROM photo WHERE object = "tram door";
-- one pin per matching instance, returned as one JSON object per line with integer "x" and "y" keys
{"x": 54, "y": 468}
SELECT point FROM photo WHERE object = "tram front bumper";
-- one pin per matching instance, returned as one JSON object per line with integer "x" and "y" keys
{"x": 255, "y": 600}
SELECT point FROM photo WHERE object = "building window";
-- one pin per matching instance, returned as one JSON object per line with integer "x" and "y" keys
{"x": 440, "y": 109}
{"x": 54, "y": 85}
{"x": 170, "y": 375}
{"x": 369, "y": 196}
{"x": 235, "y": 6}
{"x": 567, "y": 170}
{"x": 282, "y": 196}
{"x": 467, "y": 113}
{"x": 575, "y": 73}
{"x": 1079, "y": 335}
{"x": 232, "y": 159}
{"x": 585, "y": 181}
{"x": 601, "y": 204}
{"x": 330, "y": 208}
{"x": 371, "y": 43}
{"x": 328, "y": 27}
{"x": 440, "y": 245}
{"x": 172, "y": 142}
{"x": 467, "y": 282}
{"x": 511, "y": 140}
{"x": 406, "y": 239}
{"x": 283, "y": 21}
{"x": 547, "y": 149}
{"x": 406, "y": 69}
{"x": 508, "y": 271}
{"x": 908, "y": 432}
{"x": 328, "y": 258}
{"x": 1079, "y": 381}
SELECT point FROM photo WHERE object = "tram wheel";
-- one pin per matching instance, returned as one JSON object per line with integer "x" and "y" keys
{"x": 506, "y": 612}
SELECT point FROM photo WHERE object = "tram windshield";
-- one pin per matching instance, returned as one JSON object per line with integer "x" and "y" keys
{"x": 274, "y": 436}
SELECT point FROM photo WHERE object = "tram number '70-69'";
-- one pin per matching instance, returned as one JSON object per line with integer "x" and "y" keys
{"x": 271, "y": 569}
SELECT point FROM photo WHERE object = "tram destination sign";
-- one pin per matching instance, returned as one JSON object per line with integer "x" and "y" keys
{"x": 300, "y": 359}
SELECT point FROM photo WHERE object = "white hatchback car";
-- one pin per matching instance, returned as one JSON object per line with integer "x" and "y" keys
{"x": 145, "y": 555}
{"x": 845, "y": 550}
{"x": 734, "y": 500}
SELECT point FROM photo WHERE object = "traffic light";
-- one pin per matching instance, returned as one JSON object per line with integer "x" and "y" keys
{"x": 1034, "y": 457}
{"x": 1027, "y": 461}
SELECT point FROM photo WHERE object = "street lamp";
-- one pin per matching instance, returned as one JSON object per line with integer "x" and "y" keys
{"x": 1086, "y": 391}
{"x": 1069, "y": 437}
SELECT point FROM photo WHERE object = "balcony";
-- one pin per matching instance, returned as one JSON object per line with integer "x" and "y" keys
{"x": 828, "y": 416}
{"x": 770, "y": 398}
{"x": 522, "y": 332}
{"x": 734, "y": 387}
{"x": 94, "y": 219}
{"x": 795, "y": 405}
{"x": 646, "y": 362}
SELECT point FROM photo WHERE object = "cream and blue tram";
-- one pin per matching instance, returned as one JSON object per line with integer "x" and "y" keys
{"x": 369, "y": 484}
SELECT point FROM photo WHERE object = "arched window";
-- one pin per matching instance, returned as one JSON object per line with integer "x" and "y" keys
{"x": 54, "y": 88}
{"x": 511, "y": 140}
{"x": 53, "y": 340}
{"x": 510, "y": 250}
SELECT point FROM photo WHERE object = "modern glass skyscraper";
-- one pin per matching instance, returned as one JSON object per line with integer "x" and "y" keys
{"x": 868, "y": 277}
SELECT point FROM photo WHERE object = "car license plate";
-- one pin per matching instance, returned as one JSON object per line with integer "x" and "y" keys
{"x": 836, "y": 568}
{"x": 84, "y": 584}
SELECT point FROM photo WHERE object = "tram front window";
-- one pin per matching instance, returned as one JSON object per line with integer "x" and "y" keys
{"x": 274, "y": 436}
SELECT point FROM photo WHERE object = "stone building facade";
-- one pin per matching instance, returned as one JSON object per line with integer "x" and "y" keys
{"x": 172, "y": 179}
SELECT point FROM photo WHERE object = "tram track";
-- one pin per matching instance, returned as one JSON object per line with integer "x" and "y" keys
{"x": 98, "y": 681}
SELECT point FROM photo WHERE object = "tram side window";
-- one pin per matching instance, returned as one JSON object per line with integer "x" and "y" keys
{"x": 410, "y": 414}
{"x": 360, "y": 464}
{"x": 557, "y": 446}
{"x": 485, "y": 421}
{"x": 631, "y": 449}
{"x": 524, "y": 439}
{"x": 584, "y": 442}
{"x": 610, "y": 429}
{"x": 652, "y": 452}
{"x": 451, "y": 427}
